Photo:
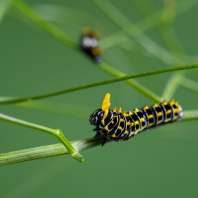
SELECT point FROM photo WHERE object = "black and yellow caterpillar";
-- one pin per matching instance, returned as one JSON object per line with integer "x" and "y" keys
{"x": 89, "y": 44}
{"x": 118, "y": 125}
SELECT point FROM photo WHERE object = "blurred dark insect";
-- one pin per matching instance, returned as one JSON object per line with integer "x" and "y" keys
{"x": 89, "y": 44}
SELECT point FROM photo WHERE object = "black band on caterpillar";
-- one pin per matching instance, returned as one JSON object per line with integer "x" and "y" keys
{"x": 118, "y": 125}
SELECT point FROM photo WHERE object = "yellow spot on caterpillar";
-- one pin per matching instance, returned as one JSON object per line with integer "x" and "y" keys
{"x": 126, "y": 132}
{"x": 113, "y": 136}
{"x": 136, "y": 110}
{"x": 150, "y": 116}
{"x": 106, "y": 128}
{"x": 130, "y": 113}
{"x": 142, "y": 119}
{"x": 155, "y": 105}
{"x": 164, "y": 103}
{"x": 128, "y": 123}
{"x": 119, "y": 110}
{"x": 159, "y": 121}
{"x": 114, "y": 110}
{"x": 112, "y": 122}
{"x": 121, "y": 120}
{"x": 179, "y": 110}
{"x": 172, "y": 101}
{"x": 125, "y": 113}
{"x": 132, "y": 133}
{"x": 146, "y": 107}
{"x": 159, "y": 114}
{"x": 168, "y": 112}
{"x": 120, "y": 127}
{"x": 136, "y": 122}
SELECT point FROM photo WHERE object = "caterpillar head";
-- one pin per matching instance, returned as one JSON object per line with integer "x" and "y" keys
{"x": 98, "y": 116}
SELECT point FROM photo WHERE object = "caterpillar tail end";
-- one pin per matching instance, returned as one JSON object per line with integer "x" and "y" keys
{"x": 180, "y": 113}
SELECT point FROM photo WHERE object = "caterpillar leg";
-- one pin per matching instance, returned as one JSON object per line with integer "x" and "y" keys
{"x": 97, "y": 135}
{"x": 104, "y": 141}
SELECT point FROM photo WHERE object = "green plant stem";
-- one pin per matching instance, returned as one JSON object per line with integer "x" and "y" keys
{"x": 46, "y": 151}
{"x": 189, "y": 84}
{"x": 190, "y": 115}
{"x": 104, "y": 66}
{"x": 59, "y": 149}
{"x": 171, "y": 86}
{"x": 45, "y": 25}
{"x": 173, "y": 44}
{"x": 55, "y": 132}
{"x": 13, "y": 101}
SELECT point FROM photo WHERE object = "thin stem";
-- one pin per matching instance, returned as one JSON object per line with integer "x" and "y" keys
{"x": 59, "y": 149}
{"x": 172, "y": 42}
{"x": 45, "y": 25}
{"x": 190, "y": 115}
{"x": 46, "y": 151}
{"x": 55, "y": 132}
{"x": 189, "y": 84}
{"x": 13, "y": 101}
{"x": 131, "y": 83}
{"x": 172, "y": 85}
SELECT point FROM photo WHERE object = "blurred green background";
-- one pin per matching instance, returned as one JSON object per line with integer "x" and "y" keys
{"x": 161, "y": 162}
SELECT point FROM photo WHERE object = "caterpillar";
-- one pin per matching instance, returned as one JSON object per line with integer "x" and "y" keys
{"x": 118, "y": 125}
{"x": 89, "y": 45}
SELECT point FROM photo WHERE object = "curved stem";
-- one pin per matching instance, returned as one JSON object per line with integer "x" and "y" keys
{"x": 172, "y": 85}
